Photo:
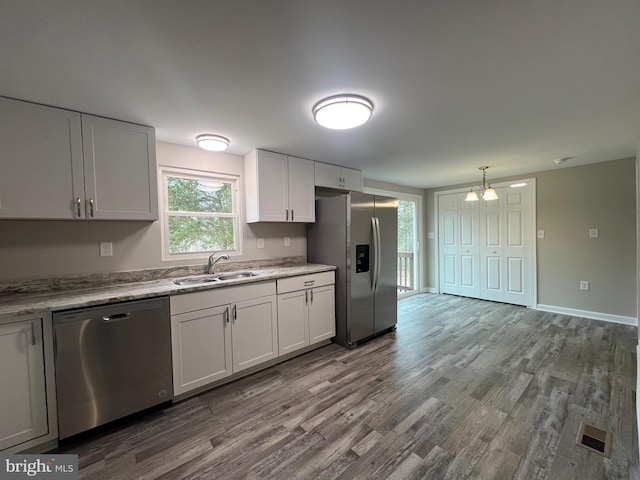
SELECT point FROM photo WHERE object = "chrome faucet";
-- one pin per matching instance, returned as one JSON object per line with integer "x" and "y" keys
{"x": 212, "y": 262}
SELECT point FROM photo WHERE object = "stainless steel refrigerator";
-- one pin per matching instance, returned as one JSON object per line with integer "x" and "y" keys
{"x": 358, "y": 233}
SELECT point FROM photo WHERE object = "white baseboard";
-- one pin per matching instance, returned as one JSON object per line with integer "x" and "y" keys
{"x": 429, "y": 290}
{"x": 606, "y": 317}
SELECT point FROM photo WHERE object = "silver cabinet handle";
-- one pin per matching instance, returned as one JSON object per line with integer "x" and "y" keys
{"x": 306, "y": 296}
{"x": 287, "y": 214}
{"x": 292, "y": 214}
{"x": 226, "y": 315}
{"x": 91, "y": 202}
{"x": 78, "y": 206}
{"x": 33, "y": 334}
{"x": 311, "y": 297}
{"x": 308, "y": 283}
{"x": 235, "y": 313}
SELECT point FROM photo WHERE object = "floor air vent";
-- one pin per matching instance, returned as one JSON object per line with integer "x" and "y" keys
{"x": 594, "y": 439}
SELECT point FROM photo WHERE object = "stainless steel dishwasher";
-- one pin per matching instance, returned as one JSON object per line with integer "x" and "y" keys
{"x": 111, "y": 361}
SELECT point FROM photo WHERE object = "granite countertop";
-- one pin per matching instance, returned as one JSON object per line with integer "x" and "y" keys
{"x": 26, "y": 303}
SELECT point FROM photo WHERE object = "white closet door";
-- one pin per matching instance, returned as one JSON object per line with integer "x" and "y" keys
{"x": 486, "y": 248}
{"x": 468, "y": 251}
{"x": 518, "y": 248}
{"x": 448, "y": 239}
{"x": 491, "y": 251}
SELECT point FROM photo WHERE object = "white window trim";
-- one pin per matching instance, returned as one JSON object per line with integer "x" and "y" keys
{"x": 164, "y": 213}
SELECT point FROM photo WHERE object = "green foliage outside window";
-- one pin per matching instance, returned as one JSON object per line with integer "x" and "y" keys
{"x": 406, "y": 219}
{"x": 211, "y": 222}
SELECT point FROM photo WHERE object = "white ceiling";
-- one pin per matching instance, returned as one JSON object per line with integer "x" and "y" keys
{"x": 513, "y": 84}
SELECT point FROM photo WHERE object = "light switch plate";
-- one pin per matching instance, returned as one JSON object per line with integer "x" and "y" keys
{"x": 261, "y": 243}
{"x": 106, "y": 249}
{"x": 593, "y": 233}
{"x": 431, "y": 235}
{"x": 540, "y": 233}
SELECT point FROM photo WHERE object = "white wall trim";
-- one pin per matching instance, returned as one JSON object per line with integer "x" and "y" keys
{"x": 606, "y": 317}
{"x": 429, "y": 290}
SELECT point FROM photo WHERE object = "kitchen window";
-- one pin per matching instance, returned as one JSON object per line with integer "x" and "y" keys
{"x": 200, "y": 213}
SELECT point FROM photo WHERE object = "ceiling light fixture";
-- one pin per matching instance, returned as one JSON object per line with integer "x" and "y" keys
{"x": 213, "y": 143}
{"x": 486, "y": 192}
{"x": 344, "y": 111}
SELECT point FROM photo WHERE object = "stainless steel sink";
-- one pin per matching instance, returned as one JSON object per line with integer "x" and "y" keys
{"x": 235, "y": 275}
{"x": 195, "y": 280}
{"x": 223, "y": 277}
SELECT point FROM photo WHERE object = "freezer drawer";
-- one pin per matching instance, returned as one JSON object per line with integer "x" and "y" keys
{"x": 111, "y": 361}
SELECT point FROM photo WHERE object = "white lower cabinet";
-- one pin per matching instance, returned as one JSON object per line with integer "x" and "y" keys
{"x": 201, "y": 343}
{"x": 306, "y": 310}
{"x": 218, "y": 332}
{"x": 254, "y": 330}
{"x": 24, "y": 409}
{"x": 322, "y": 314}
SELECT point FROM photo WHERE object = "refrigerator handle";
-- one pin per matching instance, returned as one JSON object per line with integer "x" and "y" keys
{"x": 374, "y": 270}
{"x": 378, "y": 253}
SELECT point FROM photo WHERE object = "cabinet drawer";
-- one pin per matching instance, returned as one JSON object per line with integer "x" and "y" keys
{"x": 291, "y": 284}
{"x": 190, "y": 302}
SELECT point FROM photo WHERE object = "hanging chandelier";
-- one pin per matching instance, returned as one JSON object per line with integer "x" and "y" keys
{"x": 486, "y": 191}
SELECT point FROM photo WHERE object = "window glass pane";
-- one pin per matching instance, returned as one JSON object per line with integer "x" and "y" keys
{"x": 406, "y": 225}
{"x": 191, "y": 195}
{"x": 200, "y": 234}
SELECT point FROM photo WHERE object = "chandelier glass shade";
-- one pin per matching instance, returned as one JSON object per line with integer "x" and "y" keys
{"x": 486, "y": 191}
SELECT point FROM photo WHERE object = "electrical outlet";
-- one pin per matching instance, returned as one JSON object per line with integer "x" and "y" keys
{"x": 540, "y": 233}
{"x": 593, "y": 233}
{"x": 584, "y": 285}
{"x": 287, "y": 241}
{"x": 106, "y": 249}
{"x": 261, "y": 243}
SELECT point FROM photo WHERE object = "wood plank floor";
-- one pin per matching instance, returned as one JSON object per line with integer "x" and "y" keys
{"x": 464, "y": 389}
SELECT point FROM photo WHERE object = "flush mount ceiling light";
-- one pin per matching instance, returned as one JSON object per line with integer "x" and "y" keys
{"x": 344, "y": 111}
{"x": 213, "y": 143}
{"x": 486, "y": 192}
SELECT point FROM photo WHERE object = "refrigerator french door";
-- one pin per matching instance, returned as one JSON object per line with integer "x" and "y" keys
{"x": 357, "y": 233}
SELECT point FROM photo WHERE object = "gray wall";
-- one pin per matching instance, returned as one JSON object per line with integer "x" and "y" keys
{"x": 569, "y": 202}
{"x": 41, "y": 248}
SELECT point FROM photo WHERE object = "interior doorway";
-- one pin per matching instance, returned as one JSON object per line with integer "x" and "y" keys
{"x": 409, "y": 255}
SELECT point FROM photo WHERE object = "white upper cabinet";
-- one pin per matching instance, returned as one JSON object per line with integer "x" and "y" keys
{"x": 41, "y": 172}
{"x": 119, "y": 169}
{"x": 59, "y": 164}
{"x": 342, "y": 178}
{"x": 279, "y": 188}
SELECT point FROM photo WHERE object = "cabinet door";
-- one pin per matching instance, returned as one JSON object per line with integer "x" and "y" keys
{"x": 293, "y": 321}
{"x": 254, "y": 332}
{"x": 352, "y": 179}
{"x": 302, "y": 204}
{"x": 272, "y": 186}
{"x": 322, "y": 314}
{"x": 40, "y": 161}
{"x": 327, "y": 175}
{"x": 23, "y": 403}
{"x": 120, "y": 170}
{"x": 201, "y": 348}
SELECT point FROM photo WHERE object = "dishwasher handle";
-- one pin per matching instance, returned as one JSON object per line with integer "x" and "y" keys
{"x": 116, "y": 317}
